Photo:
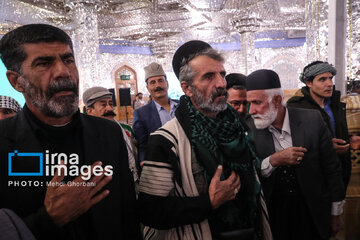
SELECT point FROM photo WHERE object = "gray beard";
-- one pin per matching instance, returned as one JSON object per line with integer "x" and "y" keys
{"x": 208, "y": 105}
{"x": 266, "y": 119}
{"x": 49, "y": 105}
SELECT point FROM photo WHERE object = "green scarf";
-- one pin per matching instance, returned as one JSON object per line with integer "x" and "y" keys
{"x": 224, "y": 141}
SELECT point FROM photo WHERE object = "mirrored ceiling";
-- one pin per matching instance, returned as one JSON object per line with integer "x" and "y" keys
{"x": 161, "y": 25}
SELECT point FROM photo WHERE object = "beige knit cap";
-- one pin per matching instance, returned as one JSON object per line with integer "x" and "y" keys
{"x": 153, "y": 70}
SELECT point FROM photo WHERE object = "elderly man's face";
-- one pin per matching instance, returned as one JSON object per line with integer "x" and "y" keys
{"x": 237, "y": 99}
{"x": 322, "y": 85}
{"x": 208, "y": 92}
{"x": 102, "y": 108}
{"x": 6, "y": 113}
{"x": 50, "y": 79}
{"x": 262, "y": 111}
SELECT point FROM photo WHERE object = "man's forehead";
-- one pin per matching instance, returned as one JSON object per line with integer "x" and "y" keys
{"x": 205, "y": 61}
{"x": 2, "y": 109}
{"x": 237, "y": 92}
{"x": 105, "y": 100}
{"x": 156, "y": 78}
{"x": 325, "y": 74}
{"x": 46, "y": 48}
{"x": 256, "y": 94}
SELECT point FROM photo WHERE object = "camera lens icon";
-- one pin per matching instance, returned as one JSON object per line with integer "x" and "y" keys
{"x": 25, "y": 164}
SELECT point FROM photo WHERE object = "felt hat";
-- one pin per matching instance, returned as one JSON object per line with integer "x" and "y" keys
{"x": 235, "y": 79}
{"x": 185, "y": 51}
{"x": 152, "y": 70}
{"x": 262, "y": 79}
{"x": 91, "y": 95}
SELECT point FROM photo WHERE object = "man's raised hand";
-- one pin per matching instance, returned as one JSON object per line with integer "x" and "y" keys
{"x": 64, "y": 203}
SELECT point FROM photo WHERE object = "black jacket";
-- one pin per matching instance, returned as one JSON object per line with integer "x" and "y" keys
{"x": 112, "y": 218}
{"x": 318, "y": 175}
{"x": 341, "y": 129}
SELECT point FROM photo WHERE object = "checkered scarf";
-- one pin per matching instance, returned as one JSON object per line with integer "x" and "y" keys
{"x": 10, "y": 103}
{"x": 225, "y": 131}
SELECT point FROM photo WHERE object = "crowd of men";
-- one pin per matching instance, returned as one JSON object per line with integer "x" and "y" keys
{"x": 229, "y": 160}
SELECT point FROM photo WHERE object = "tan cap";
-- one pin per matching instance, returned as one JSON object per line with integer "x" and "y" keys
{"x": 152, "y": 70}
{"x": 93, "y": 94}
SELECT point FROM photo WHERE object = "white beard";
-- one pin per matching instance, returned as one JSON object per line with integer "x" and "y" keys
{"x": 264, "y": 120}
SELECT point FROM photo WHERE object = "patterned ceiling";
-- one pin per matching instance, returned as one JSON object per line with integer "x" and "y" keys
{"x": 162, "y": 24}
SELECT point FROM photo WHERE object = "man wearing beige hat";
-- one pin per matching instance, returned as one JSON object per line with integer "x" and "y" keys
{"x": 157, "y": 112}
{"x": 98, "y": 102}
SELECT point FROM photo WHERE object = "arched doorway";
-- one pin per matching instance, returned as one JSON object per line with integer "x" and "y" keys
{"x": 125, "y": 78}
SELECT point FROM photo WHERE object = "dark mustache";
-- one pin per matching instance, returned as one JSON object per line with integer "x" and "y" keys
{"x": 218, "y": 93}
{"x": 158, "y": 89}
{"x": 109, "y": 113}
{"x": 64, "y": 84}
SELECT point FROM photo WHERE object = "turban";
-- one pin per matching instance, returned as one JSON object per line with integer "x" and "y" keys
{"x": 9, "y": 103}
{"x": 316, "y": 69}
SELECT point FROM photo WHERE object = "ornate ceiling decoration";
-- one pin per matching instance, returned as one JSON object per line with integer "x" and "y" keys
{"x": 161, "y": 24}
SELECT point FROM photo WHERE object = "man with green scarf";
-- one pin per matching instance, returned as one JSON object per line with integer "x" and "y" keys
{"x": 199, "y": 177}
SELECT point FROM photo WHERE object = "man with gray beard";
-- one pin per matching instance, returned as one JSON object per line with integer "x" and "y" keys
{"x": 301, "y": 173}
{"x": 50, "y": 132}
{"x": 199, "y": 179}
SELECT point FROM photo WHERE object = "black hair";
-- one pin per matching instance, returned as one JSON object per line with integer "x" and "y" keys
{"x": 11, "y": 45}
{"x": 235, "y": 79}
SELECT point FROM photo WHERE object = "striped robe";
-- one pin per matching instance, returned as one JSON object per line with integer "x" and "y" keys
{"x": 157, "y": 178}
{"x": 169, "y": 202}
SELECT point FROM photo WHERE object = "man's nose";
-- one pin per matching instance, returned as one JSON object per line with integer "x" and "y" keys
{"x": 109, "y": 107}
{"x": 220, "y": 81}
{"x": 329, "y": 82}
{"x": 252, "y": 110}
{"x": 241, "y": 108}
{"x": 61, "y": 70}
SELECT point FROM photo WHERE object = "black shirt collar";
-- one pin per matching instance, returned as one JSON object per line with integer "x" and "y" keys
{"x": 48, "y": 130}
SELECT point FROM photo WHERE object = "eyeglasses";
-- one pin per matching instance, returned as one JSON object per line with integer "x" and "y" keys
{"x": 238, "y": 103}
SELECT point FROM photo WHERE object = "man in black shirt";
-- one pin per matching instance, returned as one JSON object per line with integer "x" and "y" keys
{"x": 65, "y": 174}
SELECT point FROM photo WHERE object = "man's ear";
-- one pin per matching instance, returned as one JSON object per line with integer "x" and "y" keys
{"x": 88, "y": 110}
{"x": 14, "y": 79}
{"x": 277, "y": 100}
{"x": 186, "y": 89}
{"x": 308, "y": 84}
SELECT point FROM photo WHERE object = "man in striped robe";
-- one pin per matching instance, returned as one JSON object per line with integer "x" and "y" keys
{"x": 199, "y": 176}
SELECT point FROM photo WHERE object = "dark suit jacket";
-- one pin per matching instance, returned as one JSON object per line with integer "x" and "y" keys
{"x": 341, "y": 129}
{"x": 319, "y": 173}
{"x": 146, "y": 120}
{"x": 112, "y": 218}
